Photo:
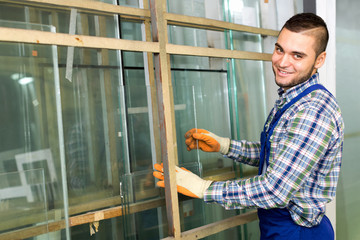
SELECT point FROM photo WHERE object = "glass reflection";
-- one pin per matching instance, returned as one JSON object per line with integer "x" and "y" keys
{"x": 24, "y": 198}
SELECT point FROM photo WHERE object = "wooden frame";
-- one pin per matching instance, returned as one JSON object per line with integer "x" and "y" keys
{"x": 162, "y": 50}
{"x": 86, "y": 6}
{"x": 62, "y": 39}
{"x": 166, "y": 111}
{"x": 212, "y": 52}
{"x": 216, "y": 25}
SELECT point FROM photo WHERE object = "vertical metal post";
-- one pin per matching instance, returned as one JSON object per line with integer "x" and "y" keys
{"x": 166, "y": 114}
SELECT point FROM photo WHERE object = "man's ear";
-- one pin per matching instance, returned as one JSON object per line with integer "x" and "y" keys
{"x": 320, "y": 60}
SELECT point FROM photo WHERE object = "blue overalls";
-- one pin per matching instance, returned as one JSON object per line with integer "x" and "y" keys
{"x": 276, "y": 223}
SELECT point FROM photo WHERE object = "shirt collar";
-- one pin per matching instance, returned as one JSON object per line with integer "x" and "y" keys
{"x": 296, "y": 90}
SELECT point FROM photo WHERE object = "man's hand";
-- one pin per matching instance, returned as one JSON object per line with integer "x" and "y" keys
{"x": 207, "y": 141}
{"x": 188, "y": 183}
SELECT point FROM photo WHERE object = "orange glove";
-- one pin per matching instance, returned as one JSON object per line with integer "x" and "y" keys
{"x": 207, "y": 141}
{"x": 188, "y": 183}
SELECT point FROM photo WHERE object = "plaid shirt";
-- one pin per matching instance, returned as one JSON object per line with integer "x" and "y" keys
{"x": 304, "y": 163}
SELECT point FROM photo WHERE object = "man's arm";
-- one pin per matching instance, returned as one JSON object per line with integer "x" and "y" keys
{"x": 241, "y": 151}
{"x": 245, "y": 152}
{"x": 292, "y": 159}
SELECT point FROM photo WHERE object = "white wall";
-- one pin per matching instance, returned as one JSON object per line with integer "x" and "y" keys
{"x": 327, "y": 10}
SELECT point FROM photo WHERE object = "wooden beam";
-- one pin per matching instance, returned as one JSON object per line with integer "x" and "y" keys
{"x": 34, "y": 216}
{"x": 217, "y": 25}
{"x": 33, "y": 231}
{"x": 80, "y": 219}
{"x": 86, "y": 6}
{"x": 62, "y": 39}
{"x": 166, "y": 114}
{"x": 215, "y": 52}
{"x": 114, "y": 212}
{"x": 216, "y": 227}
{"x": 100, "y": 215}
{"x": 152, "y": 84}
{"x": 172, "y": 18}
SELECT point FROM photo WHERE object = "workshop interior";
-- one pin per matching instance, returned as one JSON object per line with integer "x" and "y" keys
{"x": 89, "y": 96}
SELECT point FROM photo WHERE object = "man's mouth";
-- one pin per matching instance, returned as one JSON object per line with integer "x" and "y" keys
{"x": 283, "y": 73}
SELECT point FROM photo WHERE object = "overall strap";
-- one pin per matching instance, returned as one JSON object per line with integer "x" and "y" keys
{"x": 266, "y": 134}
{"x": 280, "y": 112}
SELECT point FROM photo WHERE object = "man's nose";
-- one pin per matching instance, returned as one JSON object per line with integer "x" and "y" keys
{"x": 284, "y": 61}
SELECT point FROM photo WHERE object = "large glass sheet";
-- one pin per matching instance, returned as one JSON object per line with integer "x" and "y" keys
{"x": 215, "y": 109}
{"x": 85, "y": 143}
{"x": 229, "y": 98}
{"x": 90, "y": 113}
{"x": 29, "y": 120}
{"x": 209, "y": 92}
{"x": 95, "y": 134}
{"x": 140, "y": 125}
{"x": 249, "y": 109}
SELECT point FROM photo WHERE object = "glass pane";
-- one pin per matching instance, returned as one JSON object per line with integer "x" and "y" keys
{"x": 229, "y": 98}
{"x": 29, "y": 122}
{"x": 129, "y": 3}
{"x": 91, "y": 123}
{"x": 229, "y": 103}
{"x": 140, "y": 127}
{"x": 95, "y": 133}
{"x": 138, "y": 184}
{"x": 248, "y": 87}
{"x": 138, "y": 188}
{"x": 209, "y": 95}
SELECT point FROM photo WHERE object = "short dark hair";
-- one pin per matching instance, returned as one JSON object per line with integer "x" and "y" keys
{"x": 308, "y": 21}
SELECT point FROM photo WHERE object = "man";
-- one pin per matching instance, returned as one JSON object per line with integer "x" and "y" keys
{"x": 299, "y": 155}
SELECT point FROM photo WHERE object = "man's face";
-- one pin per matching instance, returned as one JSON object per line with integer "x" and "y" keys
{"x": 294, "y": 59}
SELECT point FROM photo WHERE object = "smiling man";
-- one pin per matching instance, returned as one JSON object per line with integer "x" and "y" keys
{"x": 300, "y": 150}
{"x": 298, "y": 53}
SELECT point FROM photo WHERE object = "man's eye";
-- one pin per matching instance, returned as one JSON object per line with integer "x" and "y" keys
{"x": 278, "y": 50}
{"x": 297, "y": 56}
